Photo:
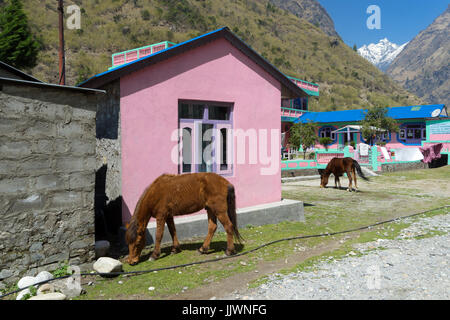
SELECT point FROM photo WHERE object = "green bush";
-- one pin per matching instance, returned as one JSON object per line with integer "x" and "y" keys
{"x": 325, "y": 141}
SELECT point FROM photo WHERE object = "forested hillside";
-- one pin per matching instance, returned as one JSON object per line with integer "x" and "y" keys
{"x": 298, "y": 48}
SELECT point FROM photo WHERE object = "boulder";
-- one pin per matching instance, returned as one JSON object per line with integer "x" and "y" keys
{"x": 22, "y": 293}
{"x": 49, "y": 296}
{"x": 107, "y": 265}
{"x": 45, "y": 288}
{"x": 70, "y": 287}
{"x": 26, "y": 281}
{"x": 43, "y": 276}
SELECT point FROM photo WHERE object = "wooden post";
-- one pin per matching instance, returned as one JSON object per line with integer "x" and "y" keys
{"x": 62, "y": 63}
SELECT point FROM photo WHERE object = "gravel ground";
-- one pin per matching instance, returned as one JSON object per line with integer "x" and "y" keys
{"x": 403, "y": 268}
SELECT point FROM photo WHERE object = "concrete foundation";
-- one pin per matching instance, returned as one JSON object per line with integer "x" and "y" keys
{"x": 197, "y": 225}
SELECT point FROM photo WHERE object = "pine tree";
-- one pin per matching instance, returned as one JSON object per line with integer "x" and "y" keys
{"x": 17, "y": 45}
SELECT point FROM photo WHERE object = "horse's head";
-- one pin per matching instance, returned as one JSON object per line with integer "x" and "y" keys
{"x": 135, "y": 241}
{"x": 323, "y": 178}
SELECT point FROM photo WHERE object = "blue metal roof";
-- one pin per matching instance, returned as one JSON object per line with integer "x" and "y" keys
{"x": 411, "y": 112}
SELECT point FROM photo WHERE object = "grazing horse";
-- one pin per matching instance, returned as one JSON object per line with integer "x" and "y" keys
{"x": 172, "y": 195}
{"x": 339, "y": 166}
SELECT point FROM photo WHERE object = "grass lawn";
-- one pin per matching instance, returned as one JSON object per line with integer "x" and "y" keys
{"x": 326, "y": 210}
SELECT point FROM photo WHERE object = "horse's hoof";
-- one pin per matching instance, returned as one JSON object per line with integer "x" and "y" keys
{"x": 175, "y": 250}
{"x": 230, "y": 252}
{"x": 153, "y": 258}
{"x": 202, "y": 250}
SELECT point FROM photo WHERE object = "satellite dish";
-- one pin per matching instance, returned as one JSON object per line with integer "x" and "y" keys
{"x": 436, "y": 113}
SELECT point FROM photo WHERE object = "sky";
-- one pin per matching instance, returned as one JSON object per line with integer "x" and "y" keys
{"x": 401, "y": 20}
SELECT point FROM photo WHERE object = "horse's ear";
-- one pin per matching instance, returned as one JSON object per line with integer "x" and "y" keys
{"x": 321, "y": 171}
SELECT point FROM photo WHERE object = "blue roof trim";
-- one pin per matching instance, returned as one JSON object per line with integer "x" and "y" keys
{"x": 410, "y": 112}
{"x": 152, "y": 55}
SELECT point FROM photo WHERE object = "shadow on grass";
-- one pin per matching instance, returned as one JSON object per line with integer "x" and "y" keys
{"x": 343, "y": 189}
{"x": 215, "y": 247}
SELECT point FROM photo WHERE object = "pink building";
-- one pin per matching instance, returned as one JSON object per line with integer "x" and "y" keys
{"x": 222, "y": 94}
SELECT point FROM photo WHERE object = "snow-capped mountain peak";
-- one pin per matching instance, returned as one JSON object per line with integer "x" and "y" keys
{"x": 382, "y": 53}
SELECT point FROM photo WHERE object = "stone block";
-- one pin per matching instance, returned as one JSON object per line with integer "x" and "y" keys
{"x": 50, "y": 182}
{"x": 13, "y": 185}
{"x": 70, "y": 164}
{"x": 14, "y": 149}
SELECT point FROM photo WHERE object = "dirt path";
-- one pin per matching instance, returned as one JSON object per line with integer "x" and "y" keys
{"x": 241, "y": 280}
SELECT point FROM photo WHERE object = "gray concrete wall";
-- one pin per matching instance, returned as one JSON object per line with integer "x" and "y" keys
{"x": 47, "y": 174}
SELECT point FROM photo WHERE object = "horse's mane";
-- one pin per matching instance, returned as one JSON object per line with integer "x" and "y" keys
{"x": 131, "y": 233}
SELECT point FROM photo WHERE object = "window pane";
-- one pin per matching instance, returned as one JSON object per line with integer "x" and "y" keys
{"x": 191, "y": 111}
{"x": 187, "y": 149}
{"x": 410, "y": 133}
{"x": 417, "y": 133}
{"x": 223, "y": 148}
{"x": 219, "y": 113}
{"x": 205, "y": 151}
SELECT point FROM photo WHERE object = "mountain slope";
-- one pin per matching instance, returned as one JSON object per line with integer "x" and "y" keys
{"x": 423, "y": 67}
{"x": 293, "y": 45}
{"x": 382, "y": 53}
{"x": 311, "y": 11}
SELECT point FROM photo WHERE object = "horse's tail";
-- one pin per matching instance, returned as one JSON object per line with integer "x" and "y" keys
{"x": 231, "y": 201}
{"x": 358, "y": 169}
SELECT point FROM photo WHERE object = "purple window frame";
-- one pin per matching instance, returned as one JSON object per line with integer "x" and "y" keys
{"x": 412, "y": 126}
{"x": 193, "y": 124}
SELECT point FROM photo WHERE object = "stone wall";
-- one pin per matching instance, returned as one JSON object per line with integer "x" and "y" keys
{"x": 391, "y": 167}
{"x": 47, "y": 176}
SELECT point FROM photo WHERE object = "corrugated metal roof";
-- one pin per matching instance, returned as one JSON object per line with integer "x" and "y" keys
{"x": 410, "y": 112}
{"x": 17, "y": 72}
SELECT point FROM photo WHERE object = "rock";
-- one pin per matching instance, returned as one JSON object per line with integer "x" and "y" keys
{"x": 22, "y": 293}
{"x": 49, "y": 296}
{"x": 43, "y": 276}
{"x": 46, "y": 288}
{"x": 70, "y": 287}
{"x": 26, "y": 282}
{"x": 107, "y": 265}
{"x": 5, "y": 273}
{"x": 101, "y": 248}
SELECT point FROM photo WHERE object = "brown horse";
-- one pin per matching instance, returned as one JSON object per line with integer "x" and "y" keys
{"x": 173, "y": 195}
{"x": 339, "y": 166}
